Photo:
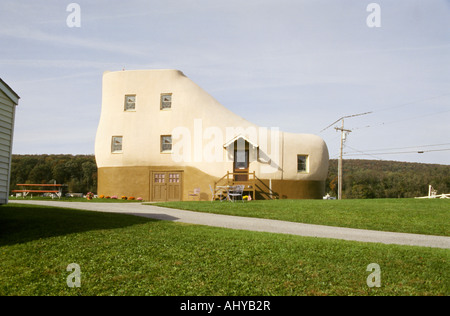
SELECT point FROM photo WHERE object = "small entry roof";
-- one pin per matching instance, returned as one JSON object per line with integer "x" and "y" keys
{"x": 239, "y": 137}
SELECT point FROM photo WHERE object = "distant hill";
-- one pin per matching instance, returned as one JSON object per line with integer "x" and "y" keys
{"x": 387, "y": 179}
{"x": 362, "y": 178}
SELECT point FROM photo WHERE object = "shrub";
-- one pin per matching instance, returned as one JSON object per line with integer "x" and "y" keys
{"x": 114, "y": 197}
{"x": 101, "y": 196}
{"x": 107, "y": 197}
{"x": 139, "y": 199}
{"x": 123, "y": 197}
{"x": 131, "y": 198}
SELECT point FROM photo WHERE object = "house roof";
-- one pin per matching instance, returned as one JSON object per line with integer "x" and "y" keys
{"x": 9, "y": 92}
{"x": 239, "y": 137}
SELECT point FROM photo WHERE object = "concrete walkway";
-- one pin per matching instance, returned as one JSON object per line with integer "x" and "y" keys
{"x": 254, "y": 224}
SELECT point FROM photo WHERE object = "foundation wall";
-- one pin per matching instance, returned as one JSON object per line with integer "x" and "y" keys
{"x": 139, "y": 182}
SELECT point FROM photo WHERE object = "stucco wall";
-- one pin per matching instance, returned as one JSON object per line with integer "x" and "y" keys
{"x": 199, "y": 125}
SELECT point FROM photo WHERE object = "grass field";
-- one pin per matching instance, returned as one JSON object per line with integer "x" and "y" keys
{"x": 431, "y": 217}
{"x": 73, "y": 199}
{"x": 129, "y": 255}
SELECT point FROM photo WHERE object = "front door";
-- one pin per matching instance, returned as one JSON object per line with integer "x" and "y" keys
{"x": 166, "y": 186}
{"x": 240, "y": 164}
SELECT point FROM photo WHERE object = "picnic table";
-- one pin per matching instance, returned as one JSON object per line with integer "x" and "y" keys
{"x": 54, "y": 189}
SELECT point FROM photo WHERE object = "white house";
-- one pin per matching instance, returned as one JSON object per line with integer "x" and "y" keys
{"x": 8, "y": 102}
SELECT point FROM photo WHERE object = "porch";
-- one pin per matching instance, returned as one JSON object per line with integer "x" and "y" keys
{"x": 253, "y": 186}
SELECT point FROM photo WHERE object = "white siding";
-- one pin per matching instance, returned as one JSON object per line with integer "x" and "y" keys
{"x": 7, "y": 108}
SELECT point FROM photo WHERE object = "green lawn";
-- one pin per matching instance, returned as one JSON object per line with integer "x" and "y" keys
{"x": 128, "y": 255}
{"x": 73, "y": 199}
{"x": 418, "y": 216}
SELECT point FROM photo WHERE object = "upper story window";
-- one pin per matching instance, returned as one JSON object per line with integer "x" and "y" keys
{"x": 130, "y": 102}
{"x": 116, "y": 144}
{"x": 166, "y": 101}
{"x": 166, "y": 143}
{"x": 302, "y": 163}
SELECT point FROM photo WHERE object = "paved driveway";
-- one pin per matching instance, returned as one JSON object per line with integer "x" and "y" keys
{"x": 254, "y": 224}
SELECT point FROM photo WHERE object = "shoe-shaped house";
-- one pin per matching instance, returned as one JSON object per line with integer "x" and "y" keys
{"x": 161, "y": 137}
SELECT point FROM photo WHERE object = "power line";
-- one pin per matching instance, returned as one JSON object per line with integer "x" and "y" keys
{"x": 344, "y": 133}
{"x": 396, "y": 148}
{"x": 401, "y": 120}
{"x": 394, "y": 107}
{"x": 363, "y": 153}
{"x": 412, "y": 102}
{"x": 402, "y": 152}
{"x": 348, "y": 116}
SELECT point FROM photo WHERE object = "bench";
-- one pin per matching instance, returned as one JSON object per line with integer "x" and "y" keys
{"x": 54, "y": 189}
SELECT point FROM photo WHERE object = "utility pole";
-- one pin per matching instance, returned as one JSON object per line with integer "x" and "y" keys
{"x": 343, "y": 131}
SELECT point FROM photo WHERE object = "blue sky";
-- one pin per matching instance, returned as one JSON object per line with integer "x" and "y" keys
{"x": 296, "y": 65}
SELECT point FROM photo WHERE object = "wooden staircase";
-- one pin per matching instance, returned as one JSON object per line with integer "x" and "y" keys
{"x": 252, "y": 185}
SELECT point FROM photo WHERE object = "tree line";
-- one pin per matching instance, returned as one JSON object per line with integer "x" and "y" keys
{"x": 362, "y": 179}
{"x": 365, "y": 179}
{"x": 78, "y": 172}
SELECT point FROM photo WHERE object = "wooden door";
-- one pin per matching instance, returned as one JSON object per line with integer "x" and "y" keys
{"x": 174, "y": 186}
{"x": 241, "y": 165}
{"x": 166, "y": 186}
{"x": 159, "y": 186}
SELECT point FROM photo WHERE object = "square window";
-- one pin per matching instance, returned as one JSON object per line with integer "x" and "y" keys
{"x": 166, "y": 101}
{"x": 130, "y": 102}
{"x": 116, "y": 144}
{"x": 160, "y": 177}
{"x": 174, "y": 177}
{"x": 302, "y": 163}
{"x": 166, "y": 143}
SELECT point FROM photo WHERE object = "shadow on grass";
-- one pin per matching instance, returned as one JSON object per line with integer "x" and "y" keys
{"x": 24, "y": 223}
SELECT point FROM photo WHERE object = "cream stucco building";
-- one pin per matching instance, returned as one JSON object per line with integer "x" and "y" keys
{"x": 161, "y": 137}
